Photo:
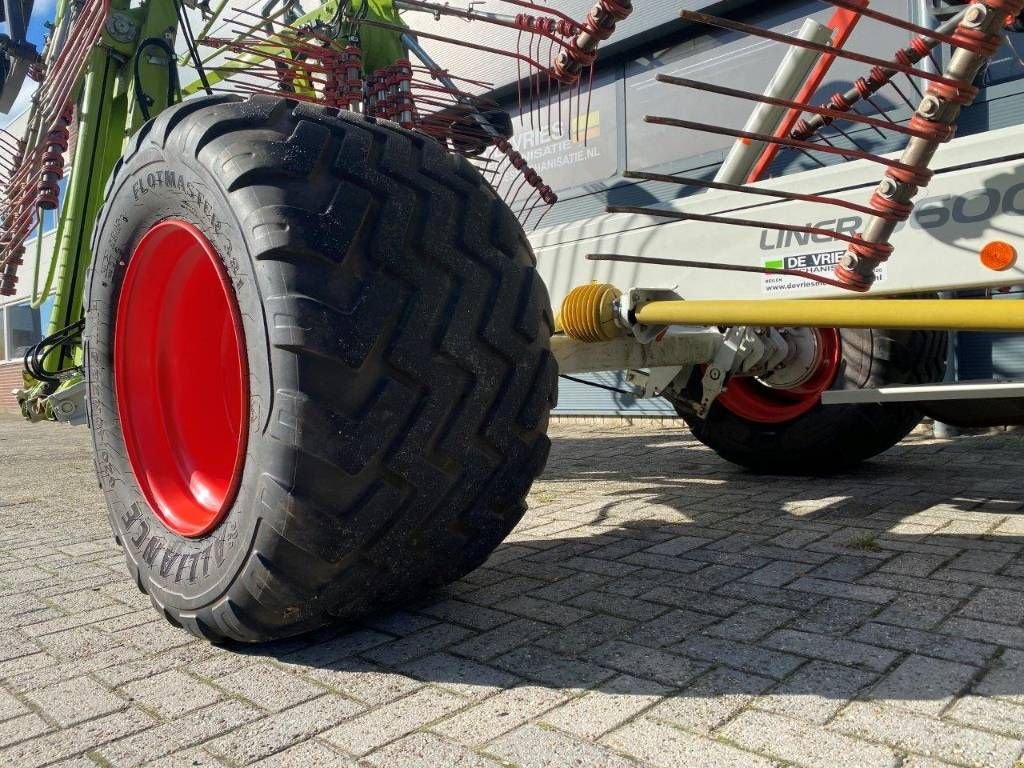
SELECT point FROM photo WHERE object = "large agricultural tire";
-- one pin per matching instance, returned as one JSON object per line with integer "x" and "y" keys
{"x": 390, "y": 400}
{"x": 831, "y": 438}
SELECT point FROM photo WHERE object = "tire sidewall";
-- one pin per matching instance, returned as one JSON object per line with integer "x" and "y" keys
{"x": 828, "y": 437}
{"x": 154, "y": 186}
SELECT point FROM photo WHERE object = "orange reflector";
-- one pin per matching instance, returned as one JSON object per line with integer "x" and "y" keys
{"x": 998, "y": 256}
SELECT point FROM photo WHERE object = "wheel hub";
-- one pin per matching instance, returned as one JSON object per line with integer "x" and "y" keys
{"x": 804, "y": 359}
{"x": 181, "y": 378}
{"x": 794, "y": 388}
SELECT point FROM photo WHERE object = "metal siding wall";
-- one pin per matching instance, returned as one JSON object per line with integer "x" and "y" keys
{"x": 576, "y": 399}
{"x": 991, "y": 355}
{"x": 650, "y": 19}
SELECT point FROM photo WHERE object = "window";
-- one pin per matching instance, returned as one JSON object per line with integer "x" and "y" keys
{"x": 1008, "y": 63}
{"x": 738, "y": 61}
{"x": 569, "y": 148}
{"x": 21, "y": 326}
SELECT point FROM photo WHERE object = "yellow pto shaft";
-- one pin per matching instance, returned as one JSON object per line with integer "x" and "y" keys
{"x": 921, "y": 314}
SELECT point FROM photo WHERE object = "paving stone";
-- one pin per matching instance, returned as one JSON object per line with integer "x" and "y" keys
{"x": 927, "y": 643}
{"x": 796, "y": 538}
{"x": 758, "y": 593}
{"x": 671, "y": 628}
{"x": 816, "y": 691}
{"x": 500, "y": 640}
{"x": 659, "y": 744}
{"x": 805, "y": 744}
{"x": 984, "y": 561}
{"x": 985, "y": 631}
{"x": 699, "y": 602}
{"x": 923, "y": 684}
{"x": 661, "y": 617}
{"x": 989, "y": 715}
{"x": 569, "y": 587}
{"x": 400, "y": 623}
{"x": 914, "y": 564}
{"x": 917, "y": 611}
{"x": 421, "y": 643}
{"x": 75, "y": 700}
{"x": 195, "y": 757}
{"x": 21, "y": 728}
{"x": 932, "y": 738}
{"x": 898, "y": 582}
{"x": 1002, "y": 606}
{"x": 1004, "y": 677}
{"x": 592, "y": 631}
{"x": 711, "y": 700}
{"x": 499, "y": 714}
{"x": 617, "y": 605}
{"x": 427, "y": 750}
{"x": 602, "y": 567}
{"x": 553, "y": 669}
{"x": 752, "y": 623}
{"x": 77, "y": 739}
{"x": 10, "y": 706}
{"x": 845, "y": 568}
{"x": 280, "y": 730}
{"x": 269, "y": 687}
{"x": 668, "y": 668}
{"x": 543, "y": 610}
{"x": 377, "y": 727}
{"x": 749, "y": 658}
{"x": 917, "y": 761}
{"x": 460, "y": 676}
{"x": 308, "y": 753}
{"x": 831, "y": 588}
{"x": 532, "y": 746}
{"x": 364, "y": 680}
{"x": 678, "y": 565}
{"x": 171, "y": 693}
{"x": 467, "y": 614}
{"x": 833, "y": 616}
{"x": 170, "y": 737}
{"x": 831, "y": 649}
{"x": 612, "y": 703}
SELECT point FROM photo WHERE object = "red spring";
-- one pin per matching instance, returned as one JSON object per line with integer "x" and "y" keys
{"x": 920, "y": 47}
{"x": 933, "y": 130}
{"x": 602, "y": 18}
{"x": 962, "y": 94}
{"x": 52, "y": 171}
{"x": 532, "y": 177}
{"x": 854, "y": 281}
{"x": 891, "y": 209}
{"x": 582, "y": 49}
{"x": 867, "y": 253}
{"x": 9, "y": 276}
{"x": 978, "y": 41}
{"x": 546, "y": 25}
{"x": 401, "y": 83}
{"x": 353, "y": 85}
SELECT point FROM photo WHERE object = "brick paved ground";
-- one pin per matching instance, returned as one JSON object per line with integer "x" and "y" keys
{"x": 656, "y": 606}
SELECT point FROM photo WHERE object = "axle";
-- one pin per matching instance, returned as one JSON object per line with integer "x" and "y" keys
{"x": 911, "y": 314}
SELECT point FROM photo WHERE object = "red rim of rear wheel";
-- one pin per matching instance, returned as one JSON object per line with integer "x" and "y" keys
{"x": 754, "y": 401}
{"x": 181, "y": 378}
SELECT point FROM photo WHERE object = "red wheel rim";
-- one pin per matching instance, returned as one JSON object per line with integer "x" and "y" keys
{"x": 754, "y": 401}
{"x": 181, "y": 378}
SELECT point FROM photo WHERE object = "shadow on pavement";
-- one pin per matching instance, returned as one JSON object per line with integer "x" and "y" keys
{"x": 649, "y": 567}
